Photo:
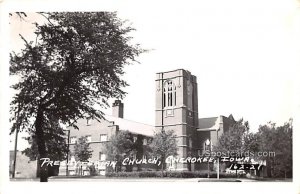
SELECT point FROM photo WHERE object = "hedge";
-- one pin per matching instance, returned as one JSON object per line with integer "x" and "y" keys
{"x": 168, "y": 174}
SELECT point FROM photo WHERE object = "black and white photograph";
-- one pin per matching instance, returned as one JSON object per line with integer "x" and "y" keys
{"x": 201, "y": 95}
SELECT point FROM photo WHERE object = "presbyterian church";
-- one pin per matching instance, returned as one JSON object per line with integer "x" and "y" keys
{"x": 176, "y": 108}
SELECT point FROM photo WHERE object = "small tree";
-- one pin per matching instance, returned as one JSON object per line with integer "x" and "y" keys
{"x": 237, "y": 140}
{"x": 82, "y": 150}
{"x": 121, "y": 145}
{"x": 164, "y": 144}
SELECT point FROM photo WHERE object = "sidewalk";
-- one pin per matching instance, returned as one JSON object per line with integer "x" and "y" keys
{"x": 106, "y": 179}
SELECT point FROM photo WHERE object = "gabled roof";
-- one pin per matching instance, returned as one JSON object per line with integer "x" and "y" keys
{"x": 131, "y": 126}
{"x": 231, "y": 117}
{"x": 209, "y": 124}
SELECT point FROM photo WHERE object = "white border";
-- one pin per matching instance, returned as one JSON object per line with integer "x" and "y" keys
{"x": 130, "y": 187}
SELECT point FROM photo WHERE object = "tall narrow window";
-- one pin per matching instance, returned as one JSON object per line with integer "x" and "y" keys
{"x": 174, "y": 95}
{"x": 102, "y": 156}
{"x": 164, "y": 98}
{"x": 169, "y": 97}
{"x": 145, "y": 141}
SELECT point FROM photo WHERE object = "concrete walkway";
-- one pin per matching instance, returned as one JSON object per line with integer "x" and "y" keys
{"x": 104, "y": 179}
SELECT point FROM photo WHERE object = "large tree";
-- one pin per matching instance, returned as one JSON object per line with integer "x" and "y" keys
{"x": 75, "y": 63}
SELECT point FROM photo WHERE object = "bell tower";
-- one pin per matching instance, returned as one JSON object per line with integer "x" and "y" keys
{"x": 177, "y": 109}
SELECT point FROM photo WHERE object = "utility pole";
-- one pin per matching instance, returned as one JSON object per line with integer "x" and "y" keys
{"x": 207, "y": 143}
{"x": 15, "y": 154}
{"x": 16, "y": 143}
{"x": 162, "y": 102}
{"x": 68, "y": 142}
{"x": 218, "y": 168}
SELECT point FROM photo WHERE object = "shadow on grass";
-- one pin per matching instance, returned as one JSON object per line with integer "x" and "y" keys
{"x": 219, "y": 180}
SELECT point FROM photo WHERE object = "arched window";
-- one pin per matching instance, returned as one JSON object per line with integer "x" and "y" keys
{"x": 169, "y": 97}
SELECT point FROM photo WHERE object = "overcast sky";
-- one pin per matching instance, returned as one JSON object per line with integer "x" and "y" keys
{"x": 245, "y": 54}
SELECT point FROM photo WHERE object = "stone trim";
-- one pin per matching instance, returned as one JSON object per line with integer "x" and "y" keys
{"x": 176, "y": 125}
{"x": 177, "y": 107}
{"x": 177, "y": 76}
{"x": 182, "y": 146}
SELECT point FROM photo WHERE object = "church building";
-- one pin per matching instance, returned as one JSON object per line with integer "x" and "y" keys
{"x": 176, "y": 108}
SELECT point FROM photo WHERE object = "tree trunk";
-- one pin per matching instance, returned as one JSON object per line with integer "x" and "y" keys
{"x": 41, "y": 144}
{"x": 162, "y": 167}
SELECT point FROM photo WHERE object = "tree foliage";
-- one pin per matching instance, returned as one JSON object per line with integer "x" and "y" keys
{"x": 120, "y": 145}
{"x": 75, "y": 64}
{"x": 82, "y": 150}
{"x": 278, "y": 140}
{"x": 164, "y": 144}
{"x": 55, "y": 143}
{"x": 21, "y": 15}
{"x": 238, "y": 140}
{"x": 269, "y": 140}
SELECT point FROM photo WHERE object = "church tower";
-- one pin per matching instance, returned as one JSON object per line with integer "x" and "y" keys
{"x": 177, "y": 109}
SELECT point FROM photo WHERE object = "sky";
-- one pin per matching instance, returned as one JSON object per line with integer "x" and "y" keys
{"x": 245, "y": 55}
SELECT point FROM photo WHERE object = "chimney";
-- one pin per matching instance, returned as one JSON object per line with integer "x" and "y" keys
{"x": 118, "y": 109}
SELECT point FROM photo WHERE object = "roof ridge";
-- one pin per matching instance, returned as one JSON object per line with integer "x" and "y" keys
{"x": 207, "y": 117}
{"x": 129, "y": 120}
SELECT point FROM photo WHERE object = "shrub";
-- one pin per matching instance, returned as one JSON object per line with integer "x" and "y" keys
{"x": 149, "y": 174}
{"x": 168, "y": 174}
{"x": 92, "y": 170}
